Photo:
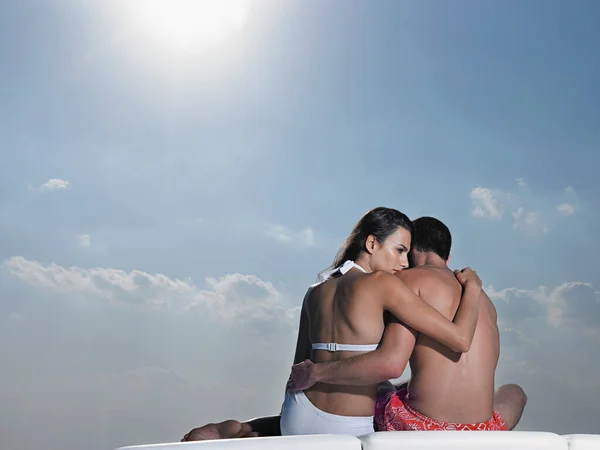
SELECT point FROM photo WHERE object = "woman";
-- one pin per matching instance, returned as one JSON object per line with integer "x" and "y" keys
{"x": 343, "y": 315}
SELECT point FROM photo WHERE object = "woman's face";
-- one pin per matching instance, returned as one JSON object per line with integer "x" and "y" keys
{"x": 392, "y": 254}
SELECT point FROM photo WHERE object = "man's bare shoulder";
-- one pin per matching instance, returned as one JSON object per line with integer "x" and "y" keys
{"x": 424, "y": 275}
{"x": 437, "y": 286}
{"x": 428, "y": 274}
{"x": 412, "y": 278}
{"x": 413, "y": 273}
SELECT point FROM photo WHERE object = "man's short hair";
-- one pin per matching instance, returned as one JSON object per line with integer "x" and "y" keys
{"x": 431, "y": 235}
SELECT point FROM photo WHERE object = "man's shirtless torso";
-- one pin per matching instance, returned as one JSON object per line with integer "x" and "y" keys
{"x": 448, "y": 386}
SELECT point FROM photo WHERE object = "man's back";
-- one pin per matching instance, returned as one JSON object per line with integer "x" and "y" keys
{"x": 448, "y": 386}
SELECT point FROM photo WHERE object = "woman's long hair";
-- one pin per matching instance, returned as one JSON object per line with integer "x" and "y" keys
{"x": 379, "y": 222}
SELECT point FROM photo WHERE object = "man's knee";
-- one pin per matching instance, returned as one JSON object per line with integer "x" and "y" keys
{"x": 512, "y": 393}
{"x": 509, "y": 402}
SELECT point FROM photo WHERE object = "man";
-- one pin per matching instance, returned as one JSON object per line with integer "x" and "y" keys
{"x": 448, "y": 390}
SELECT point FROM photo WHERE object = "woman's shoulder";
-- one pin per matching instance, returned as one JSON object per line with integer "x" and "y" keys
{"x": 379, "y": 281}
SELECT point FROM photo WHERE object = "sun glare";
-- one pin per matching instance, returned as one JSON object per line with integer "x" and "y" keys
{"x": 187, "y": 22}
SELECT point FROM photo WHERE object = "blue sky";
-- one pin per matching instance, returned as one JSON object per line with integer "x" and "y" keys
{"x": 164, "y": 205}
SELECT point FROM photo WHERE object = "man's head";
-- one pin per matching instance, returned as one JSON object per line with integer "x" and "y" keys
{"x": 430, "y": 236}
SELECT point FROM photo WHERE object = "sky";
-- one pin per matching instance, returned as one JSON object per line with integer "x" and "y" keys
{"x": 173, "y": 178}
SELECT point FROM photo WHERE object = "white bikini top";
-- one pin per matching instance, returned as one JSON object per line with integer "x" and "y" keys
{"x": 332, "y": 346}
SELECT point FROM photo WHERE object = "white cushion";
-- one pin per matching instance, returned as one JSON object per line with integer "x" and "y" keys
{"x": 463, "y": 440}
{"x": 583, "y": 441}
{"x": 308, "y": 442}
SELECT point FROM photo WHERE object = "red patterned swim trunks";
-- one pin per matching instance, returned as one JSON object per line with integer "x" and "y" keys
{"x": 392, "y": 413}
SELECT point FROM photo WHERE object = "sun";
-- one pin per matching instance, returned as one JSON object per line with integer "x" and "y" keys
{"x": 187, "y": 22}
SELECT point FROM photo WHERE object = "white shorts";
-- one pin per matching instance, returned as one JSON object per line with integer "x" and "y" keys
{"x": 300, "y": 416}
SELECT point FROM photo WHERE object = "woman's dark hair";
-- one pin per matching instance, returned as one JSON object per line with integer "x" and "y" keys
{"x": 379, "y": 222}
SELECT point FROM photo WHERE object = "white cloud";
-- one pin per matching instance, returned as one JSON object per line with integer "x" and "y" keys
{"x": 528, "y": 221}
{"x": 487, "y": 203}
{"x": 85, "y": 240}
{"x": 512, "y": 336}
{"x": 531, "y": 214}
{"x": 246, "y": 299}
{"x": 521, "y": 182}
{"x": 15, "y": 316}
{"x": 307, "y": 237}
{"x": 565, "y": 208}
{"x": 280, "y": 233}
{"x": 53, "y": 184}
{"x": 232, "y": 299}
{"x": 114, "y": 285}
{"x": 573, "y": 304}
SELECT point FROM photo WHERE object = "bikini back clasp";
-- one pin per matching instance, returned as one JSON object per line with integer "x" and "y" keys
{"x": 333, "y": 346}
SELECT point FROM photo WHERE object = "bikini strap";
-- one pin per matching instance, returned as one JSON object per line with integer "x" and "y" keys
{"x": 344, "y": 268}
{"x": 334, "y": 347}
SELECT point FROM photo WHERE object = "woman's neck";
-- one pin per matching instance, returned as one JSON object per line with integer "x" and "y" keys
{"x": 363, "y": 261}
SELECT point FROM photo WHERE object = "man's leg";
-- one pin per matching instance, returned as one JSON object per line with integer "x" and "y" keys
{"x": 402, "y": 385}
{"x": 266, "y": 426}
{"x": 385, "y": 387}
{"x": 385, "y": 390}
{"x": 509, "y": 402}
{"x": 231, "y": 429}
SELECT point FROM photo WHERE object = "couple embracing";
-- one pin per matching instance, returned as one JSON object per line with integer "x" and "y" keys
{"x": 389, "y": 299}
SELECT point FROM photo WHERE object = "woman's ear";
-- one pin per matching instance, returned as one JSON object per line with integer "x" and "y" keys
{"x": 371, "y": 244}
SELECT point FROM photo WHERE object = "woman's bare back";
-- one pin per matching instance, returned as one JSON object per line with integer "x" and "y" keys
{"x": 342, "y": 310}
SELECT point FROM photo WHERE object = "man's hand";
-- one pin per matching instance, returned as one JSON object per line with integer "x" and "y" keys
{"x": 303, "y": 376}
{"x": 467, "y": 276}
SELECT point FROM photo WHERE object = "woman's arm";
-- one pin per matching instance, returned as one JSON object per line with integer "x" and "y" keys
{"x": 414, "y": 312}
